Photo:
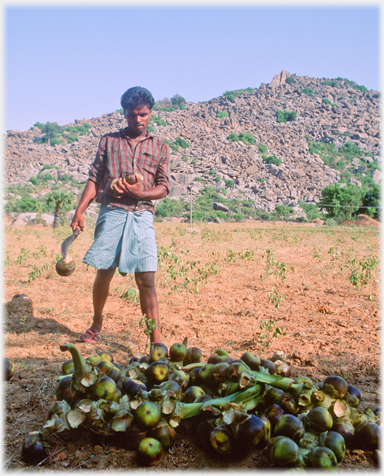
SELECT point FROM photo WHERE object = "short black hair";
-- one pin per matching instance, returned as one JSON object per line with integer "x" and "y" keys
{"x": 136, "y": 96}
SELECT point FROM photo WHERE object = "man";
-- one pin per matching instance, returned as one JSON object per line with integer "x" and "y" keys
{"x": 124, "y": 232}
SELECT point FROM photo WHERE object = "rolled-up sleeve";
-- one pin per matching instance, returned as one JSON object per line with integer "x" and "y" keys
{"x": 97, "y": 170}
{"x": 163, "y": 168}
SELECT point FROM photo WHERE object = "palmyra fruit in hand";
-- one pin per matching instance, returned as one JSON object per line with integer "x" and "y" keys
{"x": 133, "y": 178}
{"x": 65, "y": 266}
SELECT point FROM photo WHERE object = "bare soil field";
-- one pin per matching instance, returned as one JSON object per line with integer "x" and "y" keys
{"x": 226, "y": 286}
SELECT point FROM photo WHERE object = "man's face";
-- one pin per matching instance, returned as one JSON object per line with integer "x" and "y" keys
{"x": 138, "y": 118}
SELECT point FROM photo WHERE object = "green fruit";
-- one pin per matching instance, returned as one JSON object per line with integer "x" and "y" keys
{"x": 150, "y": 452}
{"x": 335, "y": 442}
{"x": 9, "y": 368}
{"x": 250, "y": 432}
{"x": 252, "y": 360}
{"x": 158, "y": 353}
{"x": 164, "y": 433}
{"x": 106, "y": 367}
{"x": 322, "y": 457}
{"x": 192, "y": 393}
{"x": 106, "y": 355}
{"x": 318, "y": 420}
{"x": 177, "y": 352}
{"x": 65, "y": 389}
{"x": 157, "y": 372}
{"x": 289, "y": 426}
{"x": 222, "y": 440}
{"x": 105, "y": 387}
{"x": 68, "y": 367}
{"x": 285, "y": 452}
{"x": 193, "y": 356}
{"x": 147, "y": 415}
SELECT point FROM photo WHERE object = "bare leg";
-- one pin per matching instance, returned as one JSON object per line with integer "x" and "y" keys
{"x": 148, "y": 301}
{"x": 100, "y": 294}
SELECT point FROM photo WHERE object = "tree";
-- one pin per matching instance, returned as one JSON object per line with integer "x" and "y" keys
{"x": 178, "y": 100}
{"x": 341, "y": 203}
{"x": 371, "y": 198}
{"x": 58, "y": 199}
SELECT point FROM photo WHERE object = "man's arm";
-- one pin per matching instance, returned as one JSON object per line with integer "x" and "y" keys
{"x": 89, "y": 194}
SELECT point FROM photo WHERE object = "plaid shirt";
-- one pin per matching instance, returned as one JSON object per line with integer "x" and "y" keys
{"x": 117, "y": 156}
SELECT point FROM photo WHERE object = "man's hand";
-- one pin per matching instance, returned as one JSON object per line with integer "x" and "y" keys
{"x": 121, "y": 188}
{"x": 78, "y": 221}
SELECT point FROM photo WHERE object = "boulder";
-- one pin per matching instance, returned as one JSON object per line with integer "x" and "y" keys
{"x": 220, "y": 206}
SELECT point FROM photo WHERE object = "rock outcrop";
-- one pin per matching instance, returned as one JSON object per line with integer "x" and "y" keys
{"x": 350, "y": 116}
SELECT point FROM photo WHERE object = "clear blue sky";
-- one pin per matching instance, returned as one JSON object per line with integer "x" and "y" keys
{"x": 67, "y": 63}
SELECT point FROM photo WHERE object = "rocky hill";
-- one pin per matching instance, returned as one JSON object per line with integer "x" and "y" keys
{"x": 327, "y": 111}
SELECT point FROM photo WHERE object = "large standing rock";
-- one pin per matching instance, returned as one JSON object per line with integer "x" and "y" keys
{"x": 377, "y": 176}
{"x": 220, "y": 207}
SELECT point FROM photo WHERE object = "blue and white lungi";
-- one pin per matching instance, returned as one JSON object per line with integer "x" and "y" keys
{"x": 125, "y": 240}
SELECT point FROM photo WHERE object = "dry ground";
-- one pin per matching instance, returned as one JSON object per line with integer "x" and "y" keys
{"x": 217, "y": 288}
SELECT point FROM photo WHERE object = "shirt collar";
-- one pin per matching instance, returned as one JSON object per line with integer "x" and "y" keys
{"x": 124, "y": 133}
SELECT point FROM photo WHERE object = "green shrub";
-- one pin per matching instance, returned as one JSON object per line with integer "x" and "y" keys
{"x": 371, "y": 198}
{"x": 238, "y": 217}
{"x": 284, "y": 116}
{"x": 272, "y": 159}
{"x": 181, "y": 143}
{"x": 47, "y": 177}
{"x": 308, "y": 91}
{"x": 233, "y": 137}
{"x": 185, "y": 158}
{"x": 221, "y": 114}
{"x": 261, "y": 179}
{"x": 72, "y": 138}
{"x": 329, "y": 83}
{"x": 247, "y": 137}
{"x": 290, "y": 80}
{"x": 157, "y": 120}
{"x": 229, "y": 183}
{"x": 229, "y": 95}
{"x": 194, "y": 161}
{"x": 310, "y": 210}
{"x": 34, "y": 180}
{"x": 263, "y": 149}
{"x": 56, "y": 141}
{"x": 282, "y": 211}
{"x": 353, "y": 85}
{"x": 329, "y": 103}
{"x": 65, "y": 178}
{"x": 170, "y": 208}
{"x": 150, "y": 128}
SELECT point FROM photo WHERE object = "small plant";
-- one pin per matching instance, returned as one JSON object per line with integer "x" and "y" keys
{"x": 269, "y": 331}
{"x": 363, "y": 271}
{"x": 130, "y": 295}
{"x": 37, "y": 272}
{"x": 150, "y": 325}
{"x": 290, "y": 80}
{"x": 316, "y": 255}
{"x": 221, "y": 114}
{"x": 24, "y": 253}
{"x": 7, "y": 261}
{"x": 275, "y": 298}
{"x": 261, "y": 179}
{"x": 41, "y": 252}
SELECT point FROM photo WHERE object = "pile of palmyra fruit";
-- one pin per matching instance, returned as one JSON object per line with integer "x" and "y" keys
{"x": 233, "y": 405}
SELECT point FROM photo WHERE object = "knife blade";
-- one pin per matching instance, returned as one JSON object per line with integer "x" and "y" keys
{"x": 68, "y": 241}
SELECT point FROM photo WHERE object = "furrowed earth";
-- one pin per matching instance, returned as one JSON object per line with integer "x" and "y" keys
{"x": 232, "y": 286}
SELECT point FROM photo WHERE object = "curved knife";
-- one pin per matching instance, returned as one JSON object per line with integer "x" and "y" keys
{"x": 68, "y": 241}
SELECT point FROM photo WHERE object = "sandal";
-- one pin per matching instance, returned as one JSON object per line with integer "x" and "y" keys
{"x": 91, "y": 337}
